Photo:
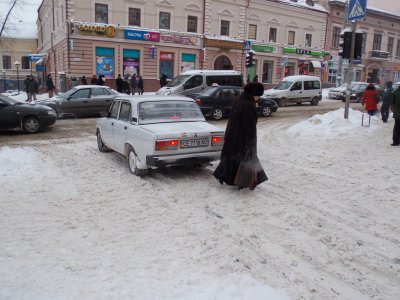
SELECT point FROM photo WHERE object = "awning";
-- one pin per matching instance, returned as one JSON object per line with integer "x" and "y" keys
{"x": 39, "y": 62}
{"x": 316, "y": 64}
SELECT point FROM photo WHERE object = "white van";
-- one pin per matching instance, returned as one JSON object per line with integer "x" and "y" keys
{"x": 297, "y": 89}
{"x": 194, "y": 81}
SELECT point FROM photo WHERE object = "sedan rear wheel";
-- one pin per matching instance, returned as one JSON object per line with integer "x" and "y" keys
{"x": 31, "y": 124}
{"x": 266, "y": 111}
{"x": 132, "y": 163}
{"x": 102, "y": 147}
{"x": 217, "y": 114}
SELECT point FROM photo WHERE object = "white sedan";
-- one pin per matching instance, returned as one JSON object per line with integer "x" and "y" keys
{"x": 155, "y": 131}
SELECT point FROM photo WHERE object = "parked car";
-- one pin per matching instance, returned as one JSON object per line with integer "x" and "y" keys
{"x": 154, "y": 131}
{"x": 216, "y": 102}
{"x": 82, "y": 100}
{"x": 30, "y": 118}
{"x": 297, "y": 89}
{"x": 396, "y": 85}
{"x": 339, "y": 93}
{"x": 357, "y": 91}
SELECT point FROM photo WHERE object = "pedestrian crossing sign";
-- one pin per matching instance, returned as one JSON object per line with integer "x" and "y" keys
{"x": 357, "y": 9}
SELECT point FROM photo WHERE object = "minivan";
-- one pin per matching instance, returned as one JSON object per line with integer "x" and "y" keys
{"x": 194, "y": 81}
{"x": 296, "y": 89}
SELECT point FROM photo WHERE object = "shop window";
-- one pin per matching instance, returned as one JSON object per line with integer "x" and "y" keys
{"x": 188, "y": 62}
{"x": 272, "y": 34}
{"x": 225, "y": 27}
{"x": 105, "y": 62}
{"x": 267, "y": 71}
{"x": 165, "y": 20}
{"x": 332, "y": 73}
{"x": 131, "y": 62}
{"x": 336, "y": 37}
{"x": 192, "y": 24}
{"x": 291, "y": 37}
{"x": 101, "y": 13}
{"x": 167, "y": 64}
{"x": 134, "y": 17}
{"x": 308, "y": 40}
{"x": 25, "y": 63}
{"x": 377, "y": 42}
{"x": 6, "y": 62}
{"x": 252, "y": 31}
{"x": 390, "y": 45}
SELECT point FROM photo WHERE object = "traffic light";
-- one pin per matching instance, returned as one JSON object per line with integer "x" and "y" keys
{"x": 250, "y": 59}
{"x": 345, "y": 44}
{"x": 358, "y": 46}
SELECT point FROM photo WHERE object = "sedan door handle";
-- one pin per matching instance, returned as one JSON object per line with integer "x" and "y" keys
{"x": 108, "y": 100}
{"x": 125, "y": 127}
{"x": 85, "y": 101}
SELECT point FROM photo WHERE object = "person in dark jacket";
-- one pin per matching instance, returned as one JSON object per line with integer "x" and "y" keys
{"x": 395, "y": 106}
{"x": 26, "y": 87}
{"x": 83, "y": 80}
{"x": 386, "y": 101}
{"x": 32, "y": 88}
{"x": 101, "y": 80}
{"x": 255, "y": 79}
{"x": 369, "y": 99}
{"x": 93, "y": 81}
{"x": 133, "y": 84}
{"x": 239, "y": 165}
{"x": 163, "y": 80}
{"x": 50, "y": 85}
{"x": 140, "y": 85}
{"x": 119, "y": 83}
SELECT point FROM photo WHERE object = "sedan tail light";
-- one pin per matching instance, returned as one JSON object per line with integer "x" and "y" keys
{"x": 166, "y": 145}
{"x": 217, "y": 140}
{"x": 199, "y": 102}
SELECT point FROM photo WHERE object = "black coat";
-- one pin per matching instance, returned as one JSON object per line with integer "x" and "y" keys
{"x": 240, "y": 138}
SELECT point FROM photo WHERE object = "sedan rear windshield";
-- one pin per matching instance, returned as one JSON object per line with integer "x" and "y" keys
{"x": 169, "y": 111}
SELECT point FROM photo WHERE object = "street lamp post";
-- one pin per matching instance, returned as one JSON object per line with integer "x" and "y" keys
{"x": 17, "y": 65}
{"x": 4, "y": 79}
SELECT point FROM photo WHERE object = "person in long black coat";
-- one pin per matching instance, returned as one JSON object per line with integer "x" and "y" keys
{"x": 240, "y": 145}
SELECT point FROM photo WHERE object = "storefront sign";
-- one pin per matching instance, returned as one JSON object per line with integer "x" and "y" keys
{"x": 379, "y": 54}
{"x": 166, "y": 56}
{"x": 223, "y": 44}
{"x": 140, "y": 35}
{"x": 263, "y": 48}
{"x": 179, "y": 39}
{"x": 35, "y": 57}
{"x": 303, "y": 51}
{"x": 107, "y": 30}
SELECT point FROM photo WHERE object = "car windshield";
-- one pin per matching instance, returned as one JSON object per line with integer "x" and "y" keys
{"x": 359, "y": 87}
{"x": 209, "y": 91}
{"x": 178, "y": 80}
{"x": 169, "y": 111}
{"x": 283, "y": 85}
{"x": 8, "y": 100}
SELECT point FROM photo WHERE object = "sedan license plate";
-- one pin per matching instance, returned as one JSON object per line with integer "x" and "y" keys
{"x": 193, "y": 143}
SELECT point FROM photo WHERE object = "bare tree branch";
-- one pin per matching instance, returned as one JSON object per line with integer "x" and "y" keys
{"x": 6, "y": 18}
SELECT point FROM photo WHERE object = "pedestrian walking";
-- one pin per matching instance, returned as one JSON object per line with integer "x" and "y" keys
{"x": 163, "y": 80}
{"x": 50, "y": 86}
{"x": 119, "y": 82}
{"x": 370, "y": 99}
{"x": 83, "y": 80}
{"x": 32, "y": 88}
{"x": 94, "y": 79}
{"x": 101, "y": 80}
{"x": 395, "y": 106}
{"x": 386, "y": 101}
{"x": 140, "y": 85}
{"x": 133, "y": 84}
{"x": 239, "y": 165}
{"x": 26, "y": 87}
{"x": 255, "y": 79}
{"x": 126, "y": 88}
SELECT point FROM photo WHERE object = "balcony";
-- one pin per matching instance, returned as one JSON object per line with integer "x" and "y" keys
{"x": 378, "y": 55}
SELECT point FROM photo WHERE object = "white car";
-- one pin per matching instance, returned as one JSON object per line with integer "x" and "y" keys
{"x": 154, "y": 131}
{"x": 339, "y": 92}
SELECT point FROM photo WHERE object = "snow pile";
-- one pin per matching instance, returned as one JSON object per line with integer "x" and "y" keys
{"x": 334, "y": 124}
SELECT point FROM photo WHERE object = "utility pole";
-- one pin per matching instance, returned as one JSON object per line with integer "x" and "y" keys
{"x": 339, "y": 76}
{"x": 351, "y": 66}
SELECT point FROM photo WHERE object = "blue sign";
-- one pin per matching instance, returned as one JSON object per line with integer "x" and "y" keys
{"x": 140, "y": 35}
{"x": 357, "y": 9}
{"x": 35, "y": 57}
{"x": 247, "y": 45}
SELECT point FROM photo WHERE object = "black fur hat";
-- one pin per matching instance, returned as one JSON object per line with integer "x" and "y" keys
{"x": 254, "y": 89}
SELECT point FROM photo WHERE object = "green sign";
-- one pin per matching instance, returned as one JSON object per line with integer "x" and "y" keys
{"x": 307, "y": 52}
{"x": 263, "y": 48}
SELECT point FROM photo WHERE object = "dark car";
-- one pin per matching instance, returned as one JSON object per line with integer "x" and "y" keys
{"x": 30, "y": 118}
{"x": 216, "y": 102}
{"x": 82, "y": 100}
{"x": 358, "y": 89}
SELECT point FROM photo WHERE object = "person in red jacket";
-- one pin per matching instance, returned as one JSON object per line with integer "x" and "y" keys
{"x": 369, "y": 99}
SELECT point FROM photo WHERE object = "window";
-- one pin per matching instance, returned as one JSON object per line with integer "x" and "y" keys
{"x": 291, "y": 37}
{"x": 398, "y": 48}
{"x": 364, "y": 42}
{"x": 296, "y": 86}
{"x": 25, "y": 62}
{"x": 272, "y": 34}
{"x": 165, "y": 20}
{"x": 267, "y": 71}
{"x": 252, "y": 32}
{"x": 308, "y": 40}
{"x": 79, "y": 94}
{"x": 193, "y": 82}
{"x": 101, "y": 13}
{"x": 125, "y": 111}
{"x": 332, "y": 75}
{"x": 114, "y": 110}
{"x": 390, "y": 45}
{"x": 335, "y": 37}
{"x": 6, "y": 62}
{"x": 100, "y": 92}
{"x": 192, "y": 24}
{"x": 377, "y": 42}
{"x": 224, "y": 27}
{"x": 134, "y": 17}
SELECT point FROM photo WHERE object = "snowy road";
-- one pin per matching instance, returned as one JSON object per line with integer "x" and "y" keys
{"x": 75, "y": 224}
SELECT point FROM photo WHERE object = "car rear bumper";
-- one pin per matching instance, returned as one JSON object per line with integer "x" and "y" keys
{"x": 182, "y": 159}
